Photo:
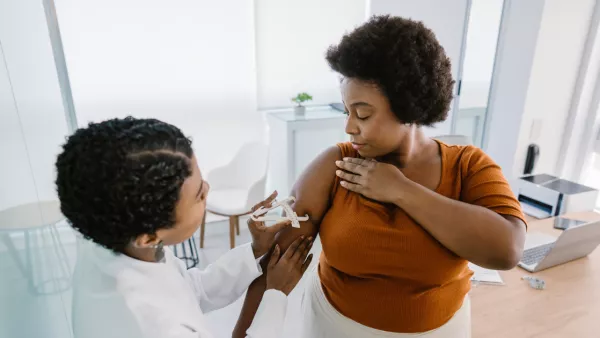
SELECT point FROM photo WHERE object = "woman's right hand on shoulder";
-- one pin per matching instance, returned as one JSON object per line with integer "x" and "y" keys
{"x": 285, "y": 271}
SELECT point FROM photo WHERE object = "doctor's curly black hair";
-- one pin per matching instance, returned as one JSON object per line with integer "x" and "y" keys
{"x": 121, "y": 178}
{"x": 405, "y": 60}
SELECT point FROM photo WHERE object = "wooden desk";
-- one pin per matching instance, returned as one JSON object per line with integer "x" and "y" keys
{"x": 568, "y": 307}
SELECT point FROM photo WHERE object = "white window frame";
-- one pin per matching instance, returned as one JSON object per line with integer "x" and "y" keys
{"x": 582, "y": 126}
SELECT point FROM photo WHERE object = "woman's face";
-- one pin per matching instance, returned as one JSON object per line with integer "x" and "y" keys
{"x": 373, "y": 128}
{"x": 190, "y": 208}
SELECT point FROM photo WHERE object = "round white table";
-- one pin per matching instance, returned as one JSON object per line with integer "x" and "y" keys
{"x": 46, "y": 264}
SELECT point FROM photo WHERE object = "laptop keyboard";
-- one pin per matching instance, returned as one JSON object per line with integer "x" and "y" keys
{"x": 535, "y": 255}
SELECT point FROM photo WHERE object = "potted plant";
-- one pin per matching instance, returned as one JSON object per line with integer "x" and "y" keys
{"x": 299, "y": 100}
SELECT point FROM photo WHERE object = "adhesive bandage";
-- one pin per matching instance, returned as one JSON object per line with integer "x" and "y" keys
{"x": 260, "y": 214}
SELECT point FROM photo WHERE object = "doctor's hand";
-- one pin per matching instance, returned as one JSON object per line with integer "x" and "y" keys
{"x": 263, "y": 237}
{"x": 285, "y": 271}
{"x": 375, "y": 180}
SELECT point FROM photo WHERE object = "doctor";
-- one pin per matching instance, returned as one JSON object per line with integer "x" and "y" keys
{"x": 133, "y": 187}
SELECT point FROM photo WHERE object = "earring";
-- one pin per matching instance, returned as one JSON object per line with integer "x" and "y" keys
{"x": 159, "y": 255}
{"x": 158, "y": 245}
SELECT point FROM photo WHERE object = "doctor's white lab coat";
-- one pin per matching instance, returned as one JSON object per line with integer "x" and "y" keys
{"x": 116, "y": 296}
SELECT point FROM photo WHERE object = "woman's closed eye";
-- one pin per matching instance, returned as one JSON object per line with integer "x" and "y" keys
{"x": 363, "y": 115}
{"x": 358, "y": 115}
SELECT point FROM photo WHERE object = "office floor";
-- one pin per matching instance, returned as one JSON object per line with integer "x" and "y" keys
{"x": 26, "y": 314}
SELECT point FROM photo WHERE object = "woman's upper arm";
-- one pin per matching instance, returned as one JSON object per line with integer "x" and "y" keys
{"x": 312, "y": 191}
{"x": 485, "y": 185}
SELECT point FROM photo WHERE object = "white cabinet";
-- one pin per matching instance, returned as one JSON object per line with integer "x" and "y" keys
{"x": 295, "y": 140}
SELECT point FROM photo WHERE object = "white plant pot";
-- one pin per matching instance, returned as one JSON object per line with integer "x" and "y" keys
{"x": 299, "y": 110}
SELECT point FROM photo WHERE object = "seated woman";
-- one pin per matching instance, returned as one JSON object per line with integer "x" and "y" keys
{"x": 133, "y": 187}
{"x": 399, "y": 214}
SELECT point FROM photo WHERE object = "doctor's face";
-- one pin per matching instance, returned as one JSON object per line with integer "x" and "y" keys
{"x": 190, "y": 208}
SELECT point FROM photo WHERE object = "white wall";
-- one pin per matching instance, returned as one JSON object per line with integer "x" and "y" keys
{"x": 33, "y": 123}
{"x": 558, "y": 55}
{"x": 581, "y": 134}
{"x": 512, "y": 70}
{"x": 291, "y": 40}
{"x": 187, "y": 62}
{"x": 447, "y": 19}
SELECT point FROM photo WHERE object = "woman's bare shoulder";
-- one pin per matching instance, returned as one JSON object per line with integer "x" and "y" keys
{"x": 312, "y": 191}
{"x": 326, "y": 159}
{"x": 319, "y": 174}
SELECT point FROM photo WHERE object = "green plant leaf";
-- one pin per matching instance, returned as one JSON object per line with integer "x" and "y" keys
{"x": 302, "y": 97}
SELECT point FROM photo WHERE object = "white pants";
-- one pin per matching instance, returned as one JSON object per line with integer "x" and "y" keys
{"x": 322, "y": 320}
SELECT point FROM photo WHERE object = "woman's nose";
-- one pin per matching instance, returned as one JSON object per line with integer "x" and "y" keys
{"x": 351, "y": 127}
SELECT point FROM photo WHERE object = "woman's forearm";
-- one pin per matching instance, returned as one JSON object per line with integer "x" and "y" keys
{"x": 251, "y": 303}
{"x": 472, "y": 232}
{"x": 257, "y": 288}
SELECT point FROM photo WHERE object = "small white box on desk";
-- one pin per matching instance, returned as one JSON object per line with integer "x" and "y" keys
{"x": 544, "y": 196}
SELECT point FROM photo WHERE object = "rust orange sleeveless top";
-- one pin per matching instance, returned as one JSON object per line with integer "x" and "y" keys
{"x": 381, "y": 269}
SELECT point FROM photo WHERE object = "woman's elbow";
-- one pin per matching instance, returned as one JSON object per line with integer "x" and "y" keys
{"x": 502, "y": 259}
{"x": 508, "y": 260}
{"x": 512, "y": 253}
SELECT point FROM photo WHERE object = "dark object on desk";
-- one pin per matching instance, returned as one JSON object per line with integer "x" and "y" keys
{"x": 338, "y": 106}
{"x": 540, "y": 179}
{"x": 533, "y": 152}
{"x": 562, "y": 223}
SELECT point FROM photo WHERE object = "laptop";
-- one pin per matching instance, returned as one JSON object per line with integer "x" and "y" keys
{"x": 544, "y": 251}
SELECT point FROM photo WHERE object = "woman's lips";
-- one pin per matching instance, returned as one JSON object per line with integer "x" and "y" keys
{"x": 357, "y": 146}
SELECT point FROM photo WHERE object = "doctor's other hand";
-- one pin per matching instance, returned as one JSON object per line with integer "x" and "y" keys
{"x": 263, "y": 236}
{"x": 285, "y": 271}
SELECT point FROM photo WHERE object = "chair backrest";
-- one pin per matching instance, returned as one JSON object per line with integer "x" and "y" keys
{"x": 256, "y": 193}
{"x": 247, "y": 170}
{"x": 250, "y": 163}
{"x": 459, "y": 140}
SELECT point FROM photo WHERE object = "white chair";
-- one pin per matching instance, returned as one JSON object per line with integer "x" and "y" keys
{"x": 459, "y": 140}
{"x": 237, "y": 187}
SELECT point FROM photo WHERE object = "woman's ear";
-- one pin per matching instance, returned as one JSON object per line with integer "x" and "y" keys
{"x": 146, "y": 241}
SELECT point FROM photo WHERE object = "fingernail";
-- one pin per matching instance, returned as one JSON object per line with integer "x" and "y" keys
{"x": 310, "y": 238}
{"x": 338, "y": 172}
{"x": 338, "y": 162}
